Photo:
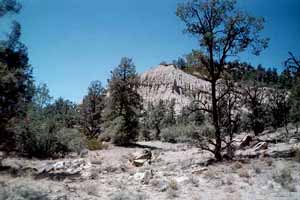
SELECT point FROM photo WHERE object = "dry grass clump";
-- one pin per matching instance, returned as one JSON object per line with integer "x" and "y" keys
{"x": 95, "y": 144}
{"x": 229, "y": 180}
{"x": 91, "y": 189}
{"x": 244, "y": 173}
{"x": 172, "y": 189}
{"x": 194, "y": 181}
{"x": 127, "y": 195}
{"x": 256, "y": 168}
{"x": 95, "y": 173}
{"x": 268, "y": 161}
{"x": 297, "y": 155}
{"x": 229, "y": 190}
{"x": 284, "y": 178}
{"x": 96, "y": 160}
{"x": 237, "y": 165}
{"x": 173, "y": 184}
{"x": 211, "y": 174}
{"x": 22, "y": 192}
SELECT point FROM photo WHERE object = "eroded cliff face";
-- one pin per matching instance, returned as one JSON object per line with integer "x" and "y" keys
{"x": 166, "y": 82}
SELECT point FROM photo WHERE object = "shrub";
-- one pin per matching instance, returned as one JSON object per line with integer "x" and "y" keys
{"x": 177, "y": 133}
{"x": 70, "y": 140}
{"x": 243, "y": 173}
{"x": 284, "y": 178}
{"x": 204, "y": 132}
{"x": 297, "y": 155}
{"x": 94, "y": 144}
{"x": 118, "y": 132}
{"x": 145, "y": 135}
{"x": 47, "y": 139}
{"x": 21, "y": 193}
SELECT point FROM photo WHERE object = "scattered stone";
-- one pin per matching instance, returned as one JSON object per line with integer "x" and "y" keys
{"x": 140, "y": 158}
{"x": 199, "y": 171}
{"x": 291, "y": 141}
{"x": 282, "y": 150}
{"x": 63, "y": 169}
{"x": 163, "y": 186}
{"x": 144, "y": 177}
{"x": 182, "y": 179}
{"x": 246, "y": 141}
{"x": 84, "y": 153}
{"x": 260, "y": 146}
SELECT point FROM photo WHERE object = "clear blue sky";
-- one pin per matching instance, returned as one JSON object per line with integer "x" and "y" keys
{"x": 72, "y": 42}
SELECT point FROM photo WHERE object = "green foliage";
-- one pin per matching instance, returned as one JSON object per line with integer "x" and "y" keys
{"x": 123, "y": 105}
{"x": 9, "y": 6}
{"x": 294, "y": 102}
{"x": 278, "y": 107}
{"x": 170, "y": 115}
{"x": 254, "y": 96}
{"x": 191, "y": 115}
{"x": 44, "y": 138}
{"x": 222, "y": 30}
{"x": 16, "y": 83}
{"x": 47, "y": 130}
{"x": 154, "y": 116}
{"x": 180, "y": 63}
{"x": 64, "y": 112}
{"x": 91, "y": 110}
{"x": 284, "y": 178}
{"x": 178, "y": 133}
{"x": 95, "y": 144}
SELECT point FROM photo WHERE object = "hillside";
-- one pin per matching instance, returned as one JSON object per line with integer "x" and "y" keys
{"x": 166, "y": 82}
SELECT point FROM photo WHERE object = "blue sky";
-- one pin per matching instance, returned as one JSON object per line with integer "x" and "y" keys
{"x": 72, "y": 42}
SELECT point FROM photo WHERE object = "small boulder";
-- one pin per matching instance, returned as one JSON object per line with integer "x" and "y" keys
{"x": 246, "y": 141}
{"x": 139, "y": 162}
{"x": 140, "y": 158}
{"x": 260, "y": 146}
{"x": 293, "y": 141}
{"x": 144, "y": 177}
{"x": 144, "y": 155}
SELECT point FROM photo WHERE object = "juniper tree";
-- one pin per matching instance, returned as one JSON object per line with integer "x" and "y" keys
{"x": 156, "y": 115}
{"x": 278, "y": 107}
{"x": 170, "y": 115}
{"x": 254, "y": 96}
{"x": 222, "y": 31}
{"x": 91, "y": 109}
{"x": 123, "y": 104}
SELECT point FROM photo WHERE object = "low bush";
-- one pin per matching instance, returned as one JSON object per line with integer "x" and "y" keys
{"x": 178, "y": 133}
{"x": 284, "y": 178}
{"x": 95, "y": 144}
{"x": 21, "y": 193}
{"x": 119, "y": 133}
{"x": 46, "y": 139}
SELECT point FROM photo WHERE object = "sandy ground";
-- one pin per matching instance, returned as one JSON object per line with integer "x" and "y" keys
{"x": 175, "y": 173}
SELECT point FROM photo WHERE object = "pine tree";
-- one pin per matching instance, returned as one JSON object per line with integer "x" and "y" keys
{"x": 16, "y": 82}
{"x": 91, "y": 110}
{"x": 123, "y": 105}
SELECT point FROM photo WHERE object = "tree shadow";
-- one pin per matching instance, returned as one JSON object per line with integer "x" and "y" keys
{"x": 142, "y": 146}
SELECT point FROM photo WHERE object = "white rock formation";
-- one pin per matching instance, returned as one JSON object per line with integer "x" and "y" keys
{"x": 166, "y": 82}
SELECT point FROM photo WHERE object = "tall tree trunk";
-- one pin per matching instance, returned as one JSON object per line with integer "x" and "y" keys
{"x": 157, "y": 133}
{"x": 215, "y": 116}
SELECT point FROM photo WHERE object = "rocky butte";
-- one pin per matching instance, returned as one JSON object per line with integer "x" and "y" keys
{"x": 167, "y": 82}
